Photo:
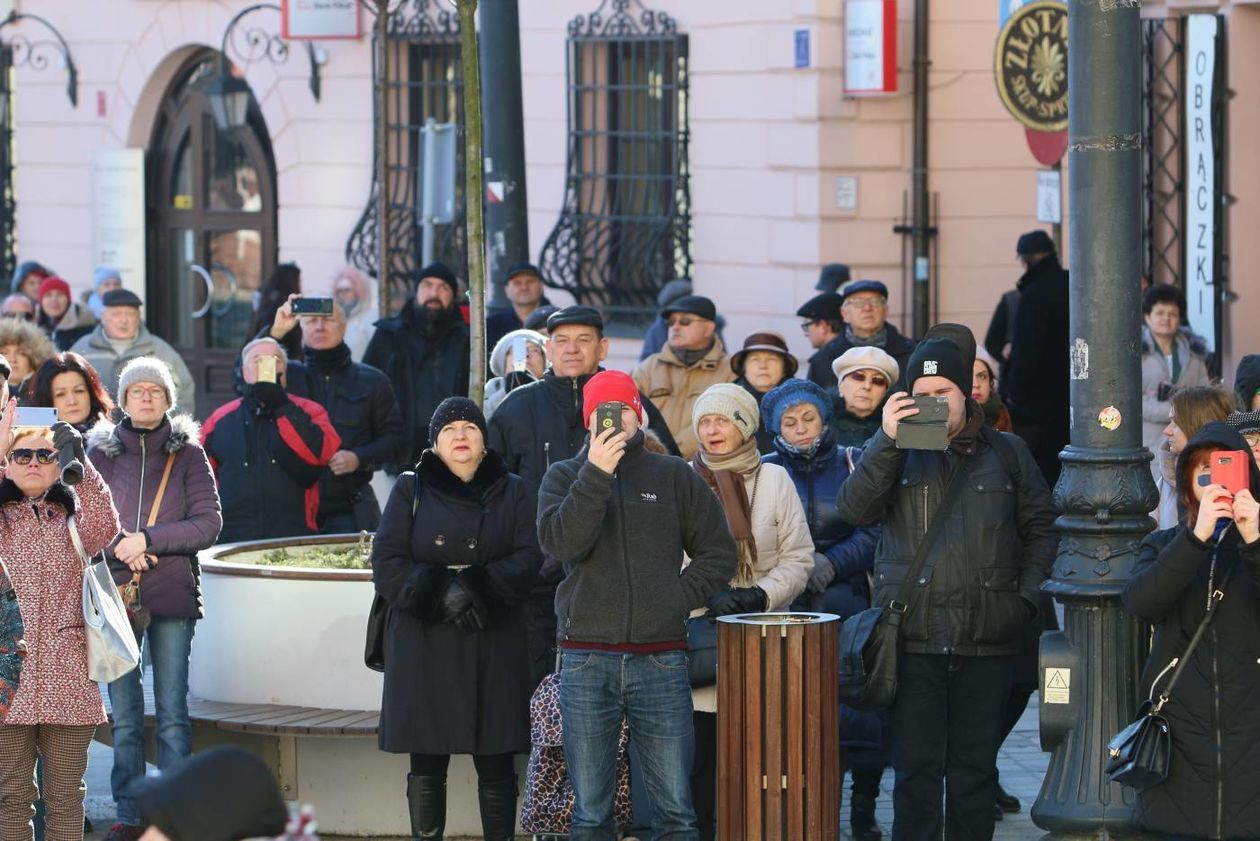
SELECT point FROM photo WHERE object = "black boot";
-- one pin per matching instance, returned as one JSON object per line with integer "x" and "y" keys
{"x": 426, "y": 801}
{"x": 498, "y": 809}
{"x": 862, "y": 818}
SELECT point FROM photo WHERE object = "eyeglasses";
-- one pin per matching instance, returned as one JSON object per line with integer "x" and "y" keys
{"x": 805, "y": 325}
{"x": 139, "y": 392}
{"x": 864, "y": 303}
{"x": 24, "y": 456}
{"x": 861, "y": 376}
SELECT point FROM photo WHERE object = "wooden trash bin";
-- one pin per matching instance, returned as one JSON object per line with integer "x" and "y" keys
{"x": 778, "y": 727}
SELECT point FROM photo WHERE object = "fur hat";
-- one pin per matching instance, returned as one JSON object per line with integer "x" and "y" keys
{"x": 730, "y": 401}
{"x": 27, "y": 336}
{"x": 498, "y": 356}
{"x": 454, "y": 409}
{"x": 146, "y": 369}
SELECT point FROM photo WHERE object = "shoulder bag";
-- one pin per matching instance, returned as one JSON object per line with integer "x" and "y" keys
{"x": 1138, "y": 755}
{"x": 378, "y": 614}
{"x": 112, "y": 650}
{"x": 137, "y": 613}
{"x": 870, "y": 641}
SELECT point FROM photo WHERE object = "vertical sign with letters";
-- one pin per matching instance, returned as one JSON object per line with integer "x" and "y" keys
{"x": 1201, "y": 198}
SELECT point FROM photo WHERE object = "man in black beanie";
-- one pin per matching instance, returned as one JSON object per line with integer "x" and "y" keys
{"x": 424, "y": 351}
{"x": 975, "y": 592}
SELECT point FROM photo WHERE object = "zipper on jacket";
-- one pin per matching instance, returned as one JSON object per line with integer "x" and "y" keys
{"x": 546, "y": 455}
{"x": 625, "y": 558}
{"x": 1216, "y": 702}
{"x": 925, "y": 508}
{"x": 143, "y": 460}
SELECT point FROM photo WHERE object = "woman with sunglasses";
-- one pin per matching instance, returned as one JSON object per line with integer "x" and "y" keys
{"x": 152, "y": 451}
{"x": 866, "y": 374}
{"x": 57, "y": 708}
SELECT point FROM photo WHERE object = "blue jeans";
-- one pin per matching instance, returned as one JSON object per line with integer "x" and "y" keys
{"x": 169, "y": 642}
{"x": 598, "y": 690}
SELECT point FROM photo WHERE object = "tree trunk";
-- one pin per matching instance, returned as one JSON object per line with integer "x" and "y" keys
{"x": 474, "y": 196}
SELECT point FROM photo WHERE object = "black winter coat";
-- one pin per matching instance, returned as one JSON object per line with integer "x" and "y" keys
{"x": 1037, "y": 376}
{"x": 980, "y": 584}
{"x": 897, "y": 346}
{"x": 445, "y": 691}
{"x": 427, "y": 361}
{"x": 852, "y": 431}
{"x": 361, "y": 405}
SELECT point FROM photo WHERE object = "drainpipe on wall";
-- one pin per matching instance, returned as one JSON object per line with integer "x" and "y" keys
{"x": 921, "y": 230}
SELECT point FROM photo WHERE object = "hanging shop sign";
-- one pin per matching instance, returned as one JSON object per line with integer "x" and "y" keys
{"x": 319, "y": 19}
{"x": 870, "y": 47}
{"x": 1201, "y": 198}
{"x": 1030, "y": 65}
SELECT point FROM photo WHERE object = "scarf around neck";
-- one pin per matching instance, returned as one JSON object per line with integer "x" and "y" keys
{"x": 725, "y": 475}
{"x": 877, "y": 339}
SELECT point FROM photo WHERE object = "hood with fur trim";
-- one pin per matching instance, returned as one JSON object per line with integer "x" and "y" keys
{"x": 105, "y": 436}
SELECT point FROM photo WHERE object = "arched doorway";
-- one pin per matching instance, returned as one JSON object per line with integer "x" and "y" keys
{"x": 212, "y": 198}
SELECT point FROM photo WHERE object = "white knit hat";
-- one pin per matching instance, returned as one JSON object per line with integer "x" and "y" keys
{"x": 730, "y": 401}
{"x": 146, "y": 369}
{"x": 498, "y": 356}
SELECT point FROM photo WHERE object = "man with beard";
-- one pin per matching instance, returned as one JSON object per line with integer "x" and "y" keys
{"x": 540, "y": 424}
{"x": 424, "y": 352}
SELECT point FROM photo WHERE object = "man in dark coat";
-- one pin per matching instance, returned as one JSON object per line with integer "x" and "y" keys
{"x": 864, "y": 310}
{"x": 268, "y": 450}
{"x": 424, "y": 351}
{"x": 621, "y": 518}
{"x": 360, "y": 402}
{"x": 540, "y": 424}
{"x": 1038, "y": 374}
{"x": 975, "y": 594}
{"x": 524, "y": 289}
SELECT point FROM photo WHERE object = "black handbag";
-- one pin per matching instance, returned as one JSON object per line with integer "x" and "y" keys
{"x": 378, "y": 614}
{"x": 1138, "y": 755}
{"x": 870, "y": 641}
{"x": 702, "y": 651}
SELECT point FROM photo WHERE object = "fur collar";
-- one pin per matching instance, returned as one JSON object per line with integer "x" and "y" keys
{"x": 491, "y": 474}
{"x": 1185, "y": 336}
{"x": 59, "y": 494}
{"x": 105, "y": 436}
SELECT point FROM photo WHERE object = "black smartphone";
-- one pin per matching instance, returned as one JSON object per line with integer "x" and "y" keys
{"x": 929, "y": 429}
{"x": 313, "y": 306}
{"x": 608, "y": 416}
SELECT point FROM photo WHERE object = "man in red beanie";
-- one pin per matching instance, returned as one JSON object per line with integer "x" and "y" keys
{"x": 621, "y": 518}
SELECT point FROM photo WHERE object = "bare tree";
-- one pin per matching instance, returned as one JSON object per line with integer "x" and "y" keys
{"x": 475, "y": 196}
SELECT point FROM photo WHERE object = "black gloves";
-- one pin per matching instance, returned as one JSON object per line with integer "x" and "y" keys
{"x": 67, "y": 439}
{"x": 269, "y": 396}
{"x": 461, "y": 607}
{"x": 738, "y": 600}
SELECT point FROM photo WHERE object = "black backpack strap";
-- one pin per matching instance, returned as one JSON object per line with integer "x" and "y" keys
{"x": 1010, "y": 461}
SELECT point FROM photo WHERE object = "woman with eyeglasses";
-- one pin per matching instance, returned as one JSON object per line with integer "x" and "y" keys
{"x": 68, "y": 383}
{"x": 166, "y": 498}
{"x": 57, "y": 707}
{"x": 866, "y": 374}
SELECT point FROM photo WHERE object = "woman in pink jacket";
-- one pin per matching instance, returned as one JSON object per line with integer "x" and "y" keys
{"x": 56, "y": 708}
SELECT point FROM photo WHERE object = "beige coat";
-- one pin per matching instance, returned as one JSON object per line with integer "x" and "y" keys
{"x": 785, "y": 551}
{"x": 673, "y": 388}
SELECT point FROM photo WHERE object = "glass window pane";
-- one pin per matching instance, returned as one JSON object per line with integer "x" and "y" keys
{"x": 233, "y": 181}
{"x": 187, "y": 288}
{"x": 236, "y": 266}
{"x": 182, "y": 194}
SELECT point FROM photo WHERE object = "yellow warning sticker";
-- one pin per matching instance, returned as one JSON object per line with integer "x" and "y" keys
{"x": 1058, "y": 686}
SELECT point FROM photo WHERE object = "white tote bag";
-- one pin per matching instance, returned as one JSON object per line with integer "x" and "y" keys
{"x": 111, "y": 644}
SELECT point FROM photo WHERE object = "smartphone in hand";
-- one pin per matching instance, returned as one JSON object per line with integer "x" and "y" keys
{"x": 322, "y": 307}
{"x": 929, "y": 429}
{"x": 1231, "y": 469}
{"x": 608, "y": 416}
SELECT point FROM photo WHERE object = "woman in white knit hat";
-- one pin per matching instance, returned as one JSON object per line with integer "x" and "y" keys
{"x": 776, "y": 552}
{"x": 507, "y": 374}
{"x": 866, "y": 375}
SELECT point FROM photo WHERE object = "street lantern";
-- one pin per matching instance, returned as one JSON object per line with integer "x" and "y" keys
{"x": 229, "y": 100}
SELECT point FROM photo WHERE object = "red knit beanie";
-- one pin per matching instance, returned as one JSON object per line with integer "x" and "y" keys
{"x": 609, "y": 386}
{"x": 53, "y": 284}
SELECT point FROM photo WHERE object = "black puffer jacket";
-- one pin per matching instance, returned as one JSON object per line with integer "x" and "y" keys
{"x": 1213, "y": 785}
{"x": 427, "y": 361}
{"x": 979, "y": 585}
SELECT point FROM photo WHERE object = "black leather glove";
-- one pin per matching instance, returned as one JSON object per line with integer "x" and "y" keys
{"x": 455, "y": 600}
{"x": 270, "y": 396}
{"x": 472, "y": 619}
{"x": 738, "y": 600}
{"x": 66, "y": 437}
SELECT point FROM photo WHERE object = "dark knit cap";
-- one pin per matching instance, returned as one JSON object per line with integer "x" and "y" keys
{"x": 1034, "y": 242}
{"x": 939, "y": 358}
{"x": 442, "y": 272}
{"x": 219, "y": 794}
{"x": 961, "y": 336}
{"x": 456, "y": 409}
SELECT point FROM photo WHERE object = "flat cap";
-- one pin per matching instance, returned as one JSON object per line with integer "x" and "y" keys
{"x": 576, "y": 314}
{"x": 522, "y": 268}
{"x": 121, "y": 298}
{"x": 824, "y": 307}
{"x": 697, "y": 305}
{"x": 855, "y": 286}
{"x": 1034, "y": 242}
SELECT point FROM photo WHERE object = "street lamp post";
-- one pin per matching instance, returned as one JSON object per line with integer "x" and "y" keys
{"x": 1105, "y": 493}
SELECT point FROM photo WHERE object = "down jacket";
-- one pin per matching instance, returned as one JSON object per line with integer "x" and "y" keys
{"x": 132, "y": 462}
{"x": 980, "y": 584}
{"x": 1214, "y": 711}
{"x": 48, "y": 577}
{"x": 673, "y": 388}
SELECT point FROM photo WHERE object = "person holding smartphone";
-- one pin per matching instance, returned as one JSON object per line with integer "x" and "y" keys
{"x": 1212, "y": 715}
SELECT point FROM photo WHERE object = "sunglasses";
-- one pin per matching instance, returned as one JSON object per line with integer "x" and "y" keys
{"x": 680, "y": 322}
{"x": 24, "y": 456}
{"x": 861, "y": 376}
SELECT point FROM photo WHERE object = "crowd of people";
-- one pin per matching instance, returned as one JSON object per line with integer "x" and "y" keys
{"x": 590, "y": 522}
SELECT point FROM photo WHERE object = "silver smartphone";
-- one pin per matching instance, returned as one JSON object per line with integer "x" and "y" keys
{"x": 520, "y": 354}
{"x": 36, "y": 417}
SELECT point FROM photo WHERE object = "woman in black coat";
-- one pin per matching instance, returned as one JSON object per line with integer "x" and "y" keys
{"x": 455, "y": 573}
{"x": 1214, "y": 710}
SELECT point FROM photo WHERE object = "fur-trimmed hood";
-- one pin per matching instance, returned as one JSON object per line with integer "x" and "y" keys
{"x": 60, "y": 494}
{"x": 109, "y": 439}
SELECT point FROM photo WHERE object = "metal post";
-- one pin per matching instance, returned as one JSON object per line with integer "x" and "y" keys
{"x": 507, "y": 222}
{"x": 1090, "y": 669}
{"x": 922, "y": 231}
{"x": 427, "y": 199}
{"x": 382, "y": 155}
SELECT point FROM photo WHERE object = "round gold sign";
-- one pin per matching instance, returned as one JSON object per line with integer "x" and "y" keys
{"x": 1030, "y": 65}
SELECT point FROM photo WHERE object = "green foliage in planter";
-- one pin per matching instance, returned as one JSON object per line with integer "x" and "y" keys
{"x": 349, "y": 556}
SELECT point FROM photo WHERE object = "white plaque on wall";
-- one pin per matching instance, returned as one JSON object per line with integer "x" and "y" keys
{"x": 311, "y": 19}
{"x": 1200, "y": 167}
{"x": 118, "y": 215}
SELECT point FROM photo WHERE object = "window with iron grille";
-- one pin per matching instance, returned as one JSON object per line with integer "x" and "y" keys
{"x": 625, "y": 225}
{"x": 8, "y": 200}
{"x": 1162, "y": 151}
{"x": 424, "y": 80}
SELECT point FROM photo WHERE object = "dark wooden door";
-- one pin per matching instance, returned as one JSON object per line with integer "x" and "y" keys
{"x": 214, "y": 210}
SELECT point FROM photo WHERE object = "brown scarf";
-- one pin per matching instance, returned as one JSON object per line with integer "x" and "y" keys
{"x": 725, "y": 474}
